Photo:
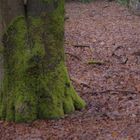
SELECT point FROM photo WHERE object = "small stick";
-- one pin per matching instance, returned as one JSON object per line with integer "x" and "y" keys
{"x": 78, "y": 58}
{"x": 80, "y": 82}
{"x": 82, "y": 46}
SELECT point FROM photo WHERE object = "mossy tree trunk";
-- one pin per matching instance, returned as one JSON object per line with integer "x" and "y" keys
{"x": 36, "y": 84}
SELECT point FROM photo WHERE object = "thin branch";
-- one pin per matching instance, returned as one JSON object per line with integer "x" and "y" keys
{"x": 82, "y": 46}
{"x": 116, "y": 91}
{"x": 80, "y": 82}
{"x": 75, "y": 56}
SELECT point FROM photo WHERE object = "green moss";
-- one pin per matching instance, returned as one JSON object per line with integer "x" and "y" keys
{"x": 20, "y": 94}
{"x": 58, "y": 97}
{"x": 94, "y": 62}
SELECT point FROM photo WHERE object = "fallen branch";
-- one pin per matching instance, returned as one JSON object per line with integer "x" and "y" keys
{"x": 82, "y": 46}
{"x": 75, "y": 56}
{"x": 136, "y": 53}
{"x": 80, "y": 82}
{"x": 93, "y": 62}
{"x": 115, "y": 92}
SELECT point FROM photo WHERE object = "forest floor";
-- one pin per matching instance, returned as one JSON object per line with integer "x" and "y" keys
{"x": 102, "y": 43}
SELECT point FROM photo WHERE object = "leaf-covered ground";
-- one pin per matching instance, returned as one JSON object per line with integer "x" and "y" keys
{"x": 102, "y": 41}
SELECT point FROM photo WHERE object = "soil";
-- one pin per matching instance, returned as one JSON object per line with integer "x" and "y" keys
{"x": 102, "y": 45}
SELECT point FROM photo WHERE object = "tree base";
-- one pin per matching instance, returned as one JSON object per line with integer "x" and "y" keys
{"x": 53, "y": 97}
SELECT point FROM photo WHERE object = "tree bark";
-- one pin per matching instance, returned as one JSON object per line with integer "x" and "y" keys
{"x": 36, "y": 84}
{"x": 1, "y": 49}
{"x": 134, "y": 6}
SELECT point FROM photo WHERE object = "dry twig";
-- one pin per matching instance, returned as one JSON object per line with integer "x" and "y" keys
{"x": 75, "y": 56}
{"x": 80, "y": 82}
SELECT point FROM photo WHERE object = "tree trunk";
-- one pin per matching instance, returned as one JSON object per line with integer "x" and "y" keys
{"x": 36, "y": 84}
{"x": 134, "y": 6}
{"x": 1, "y": 54}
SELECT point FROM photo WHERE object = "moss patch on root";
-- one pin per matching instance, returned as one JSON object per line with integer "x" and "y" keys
{"x": 58, "y": 97}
